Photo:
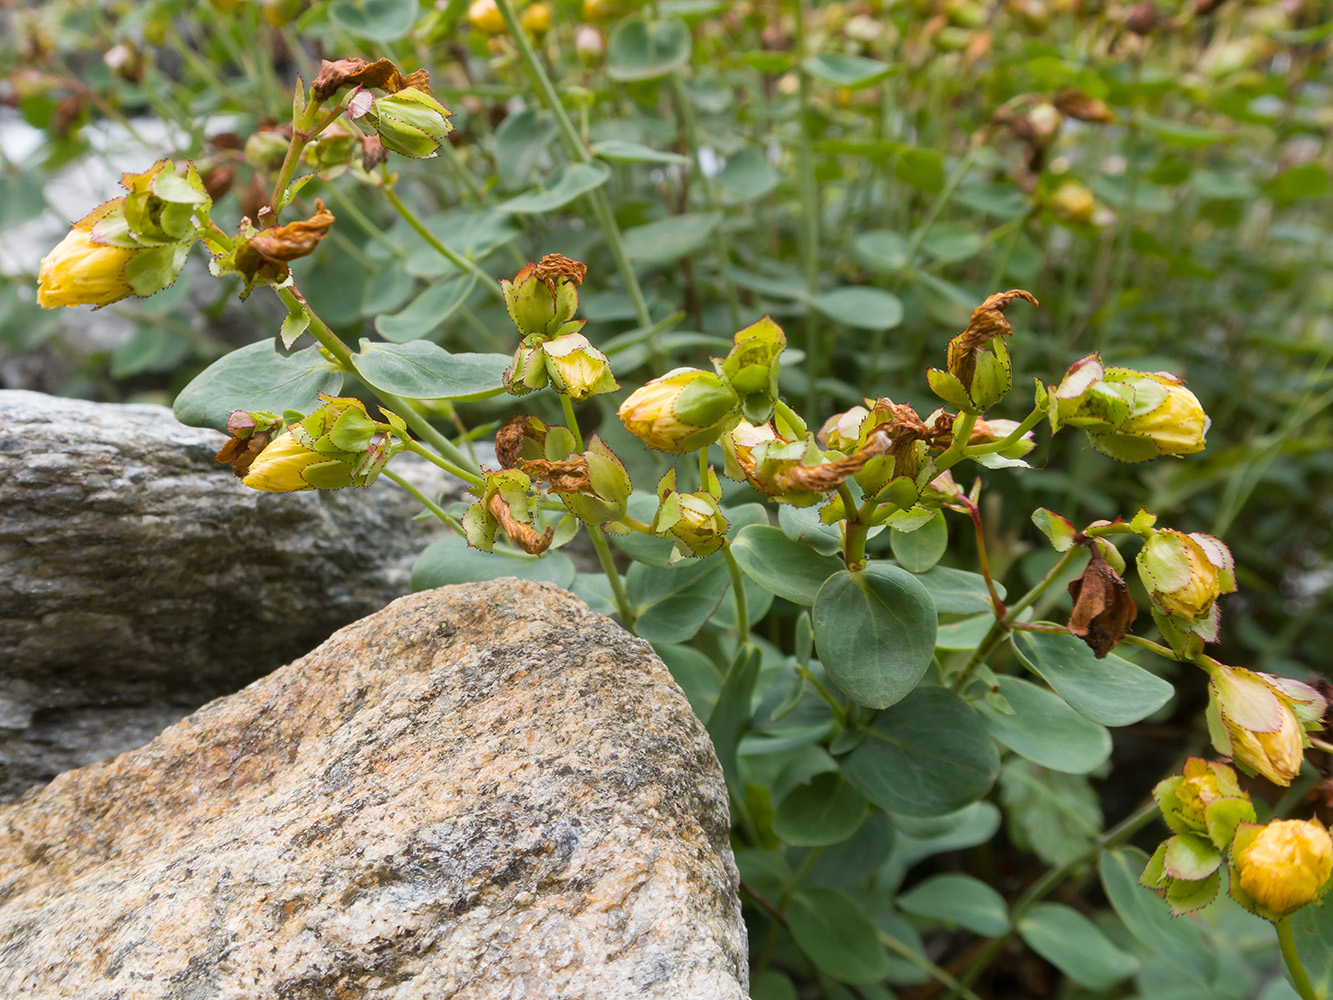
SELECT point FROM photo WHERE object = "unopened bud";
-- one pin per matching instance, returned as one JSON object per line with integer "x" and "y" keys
{"x": 411, "y": 122}
{"x": 1281, "y": 867}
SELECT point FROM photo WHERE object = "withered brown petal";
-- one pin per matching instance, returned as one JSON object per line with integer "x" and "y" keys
{"x": 554, "y": 266}
{"x": 1077, "y": 104}
{"x": 1103, "y": 610}
{"x": 295, "y": 239}
{"x": 525, "y": 536}
{"x": 567, "y": 476}
{"x": 382, "y": 74}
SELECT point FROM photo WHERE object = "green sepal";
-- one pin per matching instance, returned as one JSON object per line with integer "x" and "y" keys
{"x": 1057, "y": 528}
{"x": 948, "y": 388}
{"x": 151, "y": 270}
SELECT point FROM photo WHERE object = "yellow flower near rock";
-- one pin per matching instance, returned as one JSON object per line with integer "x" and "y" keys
{"x": 80, "y": 272}
{"x": 1284, "y": 865}
{"x": 279, "y": 466}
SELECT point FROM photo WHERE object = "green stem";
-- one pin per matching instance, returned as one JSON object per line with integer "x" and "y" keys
{"x": 453, "y": 257}
{"x": 962, "y": 433}
{"x": 1010, "y": 439}
{"x": 623, "y": 606}
{"x": 1287, "y": 943}
{"x": 574, "y": 145}
{"x": 571, "y": 421}
{"x": 1004, "y": 621}
{"x": 720, "y": 240}
{"x": 443, "y": 463}
{"x": 808, "y": 191}
{"x": 927, "y": 966}
{"x": 301, "y": 134}
{"x": 405, "y": 408}
{"x": 1119, "y": 833}
{"x": 425, "y": 501}
{"x": 941, "y": 199}
{"x": 856, "y": 532}
{"x": 738, "y": 590}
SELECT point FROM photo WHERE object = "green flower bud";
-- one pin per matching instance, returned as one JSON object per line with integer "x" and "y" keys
{"x": 527, "y": 372}
{"x": 751, "y": 369}
{"x": 980, "y": 371}
{"x": 693, "y": 521}
{"x": 411, "y": 122}
{"x": 543, "y": 297}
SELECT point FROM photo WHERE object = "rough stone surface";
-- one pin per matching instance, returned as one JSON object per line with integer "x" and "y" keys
{"x": 482, "y": 791}
{"x": 141, "y": 579}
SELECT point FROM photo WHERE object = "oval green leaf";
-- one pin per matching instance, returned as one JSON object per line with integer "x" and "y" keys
{"x": 256, "y": 377}
{"x": 919, "y": 550}
{"x": 1110, "y": 691}
{"x": 377, "y": 20}
{"x": 568, "y": 183}
{"x": 620, "y": 151}
{"x": 860, "y": 306}
{"x": 640, "y": 50}
{"x": 1045, "y": 730}
{"x": 672, "y": 604}
{"x": 882, "y": 250}
{"x": 875, "y": 632}
{"x": 835, "y": 933}
{"x": 958, "y": 592}
{"x": 1179, "y": 942}
{"x": 928, "y": 755}
{"x": 427, "y": 311}
{"x": 1073, "y": 944}
{"x": 961, "y": 900}
{"x": 791, "y": 570}
{"x": 422, "y": 370}
{"x": 824, "y": 810}
{"x": 849, "y": 72}
{"x": 671, "y": 238}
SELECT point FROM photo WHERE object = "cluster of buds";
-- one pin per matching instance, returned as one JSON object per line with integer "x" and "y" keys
{"x": 1274, "y": 869}
{"x": 136, "y": 244}
{"x": 542, "y": 300}
{"x": 1261, "y": 721}
{"x": 336, "y": 446}
{"x": 405, "y": 117}
{"x": 1130, "y": 416}
{"x": 980, "y": 371}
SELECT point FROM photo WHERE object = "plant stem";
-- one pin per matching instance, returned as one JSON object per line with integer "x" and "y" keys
{"x": 1122, "y": 831}
{"x": 720, "y": 241}
{"x": 453, "y": 257}
{"x": 1010, "y": 439}
{"x": 738, "y": 591}
{"x": 574, "y": 145}
{"x": 301, "y": 135}
{"x": 983, "y": 560}
{"x": 425, "y": 501}
{"x": 405, "y": 408}
{"x": 808, "y": 191}
{"x": 468, "y": 477}
{"x": 1004, "y": 620}
{"x": 856, "y": 531}
{"x": 1287, "y": 943}
{"x": 567, "y": 405}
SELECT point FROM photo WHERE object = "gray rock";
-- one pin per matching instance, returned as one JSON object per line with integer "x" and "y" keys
{"x": 481, "y": 791}
{"x": 141, "y": 579}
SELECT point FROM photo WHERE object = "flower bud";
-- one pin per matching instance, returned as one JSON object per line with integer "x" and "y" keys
{"x": 589, "y": 44}
{"x": 1281, "y": 867}
{"x": 693, "y": 521}
{"x": 536, "y": 20}
{"x": 505, "y": 503}
{"x": 593, "y": 486}
{"x": 543, "y": 297}
{"x": 980, "y": 371}
{"x": 680, "y": 411}
{"x": 80, "y": 271}
{"x": 527, "y": 372}
{"x": 577, "y": 369}
{"x": 336, "y": 446}
{"x": 842, "y": 431}
{"x": 484, "y": 15}
{"x": 265, "y": 149}
{"x": 1073, "y": 202}
{"x": 411, "y": 122}
{"x": 1130, "y": 416}
{"x": 751, "y": 369}
{"x": 1206, "y": 799}
{"x": 1260, "y": 720}
{"x": 1185, "y": 574}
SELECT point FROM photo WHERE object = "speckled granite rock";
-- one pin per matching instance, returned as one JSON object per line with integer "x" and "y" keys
{"x": 141, "y": 580}
{"x": 481, "y": 791}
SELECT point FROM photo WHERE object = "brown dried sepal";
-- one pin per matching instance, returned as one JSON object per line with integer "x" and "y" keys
{"x": 827, "y": 477}
{"x": 382, "y": 74}
{"x": 525, "y": 536}
{"x": 373, "y": 153}
{"x": 1076, "y": 104}
{"x": 568, "y": 476}
{"x": 1103, "y": 609}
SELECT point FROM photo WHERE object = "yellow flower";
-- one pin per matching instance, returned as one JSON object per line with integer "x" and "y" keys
{"x": 1285, "y": 865}
{"x": 79, "y": 272}
{"x": 485, "y": 16}
{"x": 577, "y": 369}
{"x": 1277, "y": 755}
{"x": 536, "y": 20}
{"x": 680, "y": 411}
{"x": 279, "y": 466}
{"x": 1177, "y": 425}
{"x": 1185, "y": 574}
